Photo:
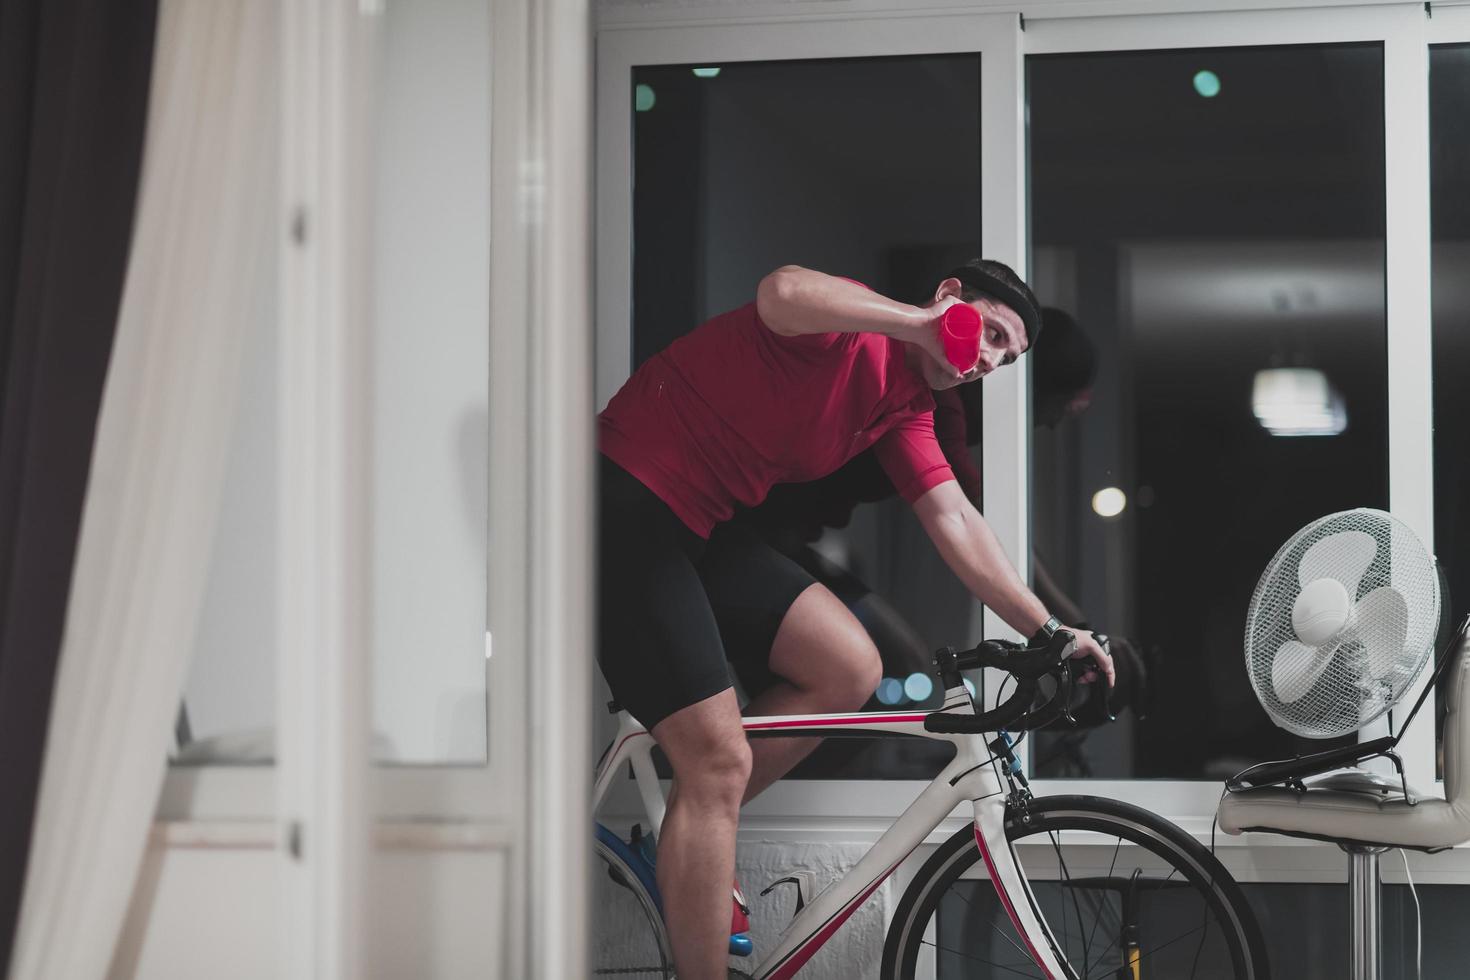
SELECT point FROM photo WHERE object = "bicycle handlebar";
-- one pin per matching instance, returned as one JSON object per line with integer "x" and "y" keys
{"x": 1027, "y": 665}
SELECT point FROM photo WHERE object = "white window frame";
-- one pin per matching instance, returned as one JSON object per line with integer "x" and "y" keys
{"x": 720, "y": 33}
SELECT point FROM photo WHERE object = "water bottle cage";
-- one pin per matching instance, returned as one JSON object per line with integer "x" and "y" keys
{"x": 803, "y": 882}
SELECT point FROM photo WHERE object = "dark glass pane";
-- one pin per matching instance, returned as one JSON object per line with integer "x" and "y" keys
{"x": 1449, "y": 140}
{"x": 1206, "y": 216}
{"x": 867, "y": 168}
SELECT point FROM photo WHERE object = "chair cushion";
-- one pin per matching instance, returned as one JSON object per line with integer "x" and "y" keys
{"x": 1350, "y": 815}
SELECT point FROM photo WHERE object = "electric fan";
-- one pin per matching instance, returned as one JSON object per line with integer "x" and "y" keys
{"x": 1342, "y": 620}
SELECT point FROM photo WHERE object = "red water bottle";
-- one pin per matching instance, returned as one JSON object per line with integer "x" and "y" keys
{"x": 959, "y": 329}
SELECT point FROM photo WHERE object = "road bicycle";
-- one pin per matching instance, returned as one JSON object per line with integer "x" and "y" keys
{"x": 1061, "y": 888}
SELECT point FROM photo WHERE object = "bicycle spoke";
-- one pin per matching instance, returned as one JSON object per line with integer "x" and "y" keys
{"x": 1114, "y": 943}
{"x": 1110, "y": 946}
{"x": 967, "y": 956}
{"x": 1205, "y": 924}
{"x": 1116, "y": 934}
{"x": 1111, "y": 865}
{"x": 1102, "y": 954}
{"x": 1182, "y": 935}
{"x": 991, "y": 919}
{"x": 1076, "y": 907}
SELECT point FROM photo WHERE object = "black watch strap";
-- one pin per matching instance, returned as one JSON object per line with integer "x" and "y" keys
{"x": 1047, "y": 631}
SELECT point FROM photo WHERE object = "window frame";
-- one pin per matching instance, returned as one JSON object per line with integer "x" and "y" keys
{"x": 717, "y": 34}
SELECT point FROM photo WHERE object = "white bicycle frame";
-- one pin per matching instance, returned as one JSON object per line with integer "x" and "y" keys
{"x": 970, "y": 777}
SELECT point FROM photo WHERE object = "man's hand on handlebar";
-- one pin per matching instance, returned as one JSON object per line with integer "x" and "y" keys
{"x": 1089, "y": 648}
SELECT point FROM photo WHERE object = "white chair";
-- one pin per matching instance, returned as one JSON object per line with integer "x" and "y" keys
{"x": 1365, "y": 814}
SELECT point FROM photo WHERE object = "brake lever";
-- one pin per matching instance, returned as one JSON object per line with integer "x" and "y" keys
{"x": 1065, "y": 679}
{"x": 1066, "y": 642}
{"x": 1106, "y": 642}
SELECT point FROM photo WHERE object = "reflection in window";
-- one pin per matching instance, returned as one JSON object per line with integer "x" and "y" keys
{"x": 758, "y": 165}
{"x": 1214, "y": 222}
{"x": 1449, "y": 141}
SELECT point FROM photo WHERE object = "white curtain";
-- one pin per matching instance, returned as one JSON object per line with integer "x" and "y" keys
{"x": 199, "y": 278}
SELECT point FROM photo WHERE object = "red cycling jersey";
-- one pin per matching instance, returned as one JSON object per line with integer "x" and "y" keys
{"x": 732, "y": 408}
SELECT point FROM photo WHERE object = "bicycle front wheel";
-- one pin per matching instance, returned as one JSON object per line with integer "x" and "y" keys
{"x": 628, "y": 936}
{"x": 1126, "y": 894}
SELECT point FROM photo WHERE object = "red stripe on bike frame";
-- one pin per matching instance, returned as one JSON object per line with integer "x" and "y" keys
{"x": 619, "y": 747}
{"x": 612, "y": 753}
{"x": 753, "y": 724}
{"x": 808, "y": 949}
{"x": 1005, "y": 900}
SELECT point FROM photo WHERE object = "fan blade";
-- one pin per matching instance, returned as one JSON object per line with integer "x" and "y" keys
{"x": 1344, "y": 556}
{"x": 1383, "y": 626}
{"x": 1296, "y": 668}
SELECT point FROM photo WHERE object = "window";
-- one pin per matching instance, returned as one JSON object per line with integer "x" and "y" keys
{"x": 1214, "y": 221}
{"x": 867, "y": 168}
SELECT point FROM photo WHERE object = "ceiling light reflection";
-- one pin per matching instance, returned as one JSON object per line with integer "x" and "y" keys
{"x": 1109, "y": 502}
{"x": 1297, "y": 402}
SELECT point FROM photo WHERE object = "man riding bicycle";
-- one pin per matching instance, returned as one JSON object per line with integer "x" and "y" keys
{"x": 785, "y": 389}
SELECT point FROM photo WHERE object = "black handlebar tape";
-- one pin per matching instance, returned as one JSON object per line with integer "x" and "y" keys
{"x": 1026, "y": 665}
{"x": 1001, "y": 716}
{"x": 1018, "y": 660}
{"x": 1016, "y": 714}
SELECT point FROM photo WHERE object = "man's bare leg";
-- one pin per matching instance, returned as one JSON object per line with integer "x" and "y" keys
{"x": 696, "y": 845}
{"x": 825, "y": 662}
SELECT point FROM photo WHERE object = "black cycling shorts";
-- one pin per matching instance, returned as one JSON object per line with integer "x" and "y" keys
{"x": 676, "y": 611}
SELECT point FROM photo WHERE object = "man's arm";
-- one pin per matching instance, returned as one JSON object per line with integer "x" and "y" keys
{"x": 793, "y": 301}
{"x": 973, "y": 553}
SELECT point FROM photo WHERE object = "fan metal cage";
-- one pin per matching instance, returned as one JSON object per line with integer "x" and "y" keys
{"x": 1360, "y": 678}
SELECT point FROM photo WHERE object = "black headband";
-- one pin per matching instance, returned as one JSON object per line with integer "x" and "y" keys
{"x": 981, "y": 281}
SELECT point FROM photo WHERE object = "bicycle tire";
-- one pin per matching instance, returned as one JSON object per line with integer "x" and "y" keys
{"x": 1171, "y": 846}
{"x": 629, "y": 939}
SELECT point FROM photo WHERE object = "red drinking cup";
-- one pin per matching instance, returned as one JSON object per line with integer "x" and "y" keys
{"x": 959, "y": 329}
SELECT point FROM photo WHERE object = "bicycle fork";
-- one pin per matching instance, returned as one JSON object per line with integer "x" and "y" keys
{"x": 1013, "y": 889}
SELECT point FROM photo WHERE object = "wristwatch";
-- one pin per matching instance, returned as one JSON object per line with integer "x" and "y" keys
{"x": 1047, "y": 631}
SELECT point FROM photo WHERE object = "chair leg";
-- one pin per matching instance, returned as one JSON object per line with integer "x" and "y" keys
{"x": 1363, "y": 912}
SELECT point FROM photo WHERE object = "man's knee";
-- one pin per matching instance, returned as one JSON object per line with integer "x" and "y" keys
{"x": 866, "y": 675}
{"x": 718, "y": 773}
{"x": 709, "y": 752}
